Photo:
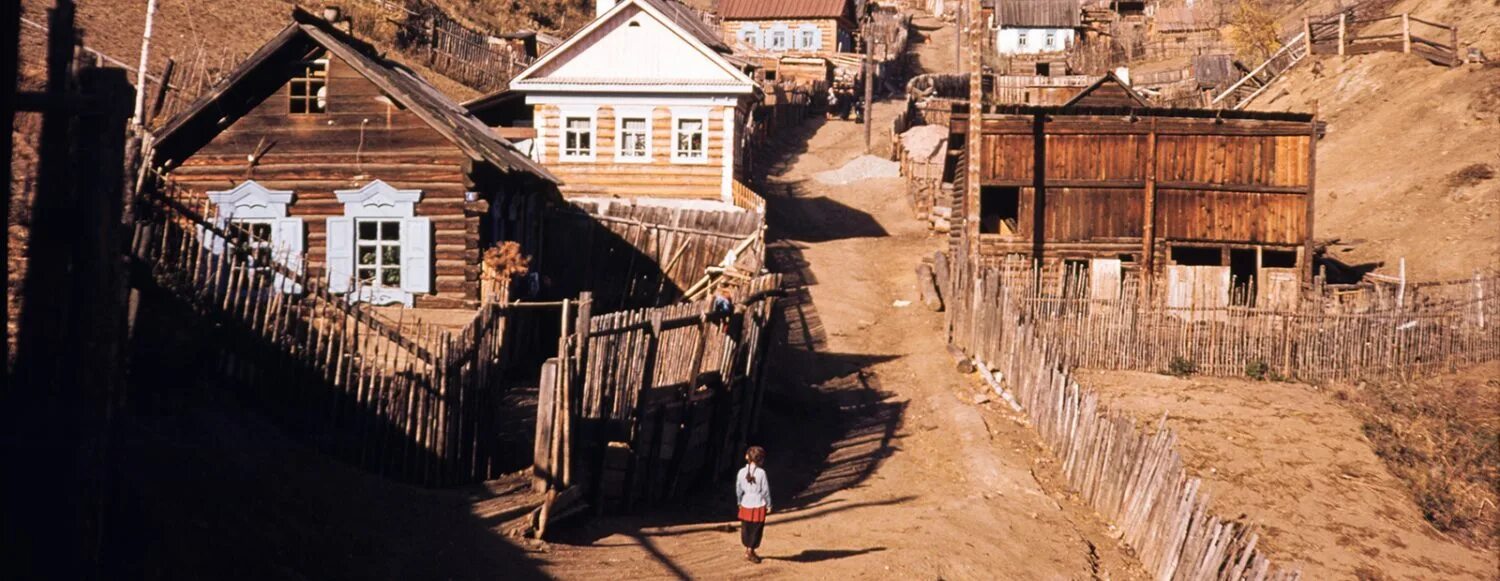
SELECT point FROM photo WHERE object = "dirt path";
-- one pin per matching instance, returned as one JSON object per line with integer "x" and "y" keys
{"x": 882, "y": 464}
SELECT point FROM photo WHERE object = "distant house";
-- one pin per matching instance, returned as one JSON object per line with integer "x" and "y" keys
{"x": 643, "y": 102}
{"x": 315, "y": 144}
{"x": 1024, "y": 27}
{"x": 790, "y": 25}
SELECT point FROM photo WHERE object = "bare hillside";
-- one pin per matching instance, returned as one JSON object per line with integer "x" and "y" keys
{"x": 1411, "y": 164}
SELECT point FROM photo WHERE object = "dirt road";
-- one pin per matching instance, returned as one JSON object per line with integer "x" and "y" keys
{"x": 881, "y": 462}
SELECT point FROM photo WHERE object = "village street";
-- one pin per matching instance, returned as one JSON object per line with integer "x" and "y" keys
{"x": 882, "y": 464}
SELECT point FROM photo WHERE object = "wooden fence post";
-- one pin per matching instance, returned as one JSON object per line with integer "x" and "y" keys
{"x": 1406, "y": 32}
{"x": 1343, "y": 31}
{"x": 1453, "y": 42}
{"x": 1307, "y": 36}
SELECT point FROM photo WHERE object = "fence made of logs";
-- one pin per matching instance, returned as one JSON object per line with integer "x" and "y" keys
{"x": 640, "y": 405}
{"x": 1129, "y": 329}
{"x": 1346, "y": 34}
{"x": 1132, "y": 475}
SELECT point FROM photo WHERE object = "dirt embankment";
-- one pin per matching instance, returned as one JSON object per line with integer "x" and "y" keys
{"x": 1295, "y": 461}
{"x": 1411, "y": 164}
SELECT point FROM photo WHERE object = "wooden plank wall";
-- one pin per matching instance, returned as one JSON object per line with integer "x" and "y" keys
{"x": 1231, "y": 182}
{"x": 409, "y": 401}
{"x": 361, "y": 138}
{"x": 658, "y": 398}
{"x": 658, "y": 178}
{"x": 634, "y": 256}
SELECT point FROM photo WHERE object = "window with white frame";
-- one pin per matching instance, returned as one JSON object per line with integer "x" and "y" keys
{"x": 807, "y": 39}
{"x": 778, "y": 39}
{"x": 1051, "y": 41}
{"x": 634, "y": 140}
{"x": 690, "y": 142}
{"x": 1021, "y": 39}
{"x": 750, "y": 35}
{"x": 256, "y": 218}
{"x": 578, "y": 138}
{"x": 380, "y": 252}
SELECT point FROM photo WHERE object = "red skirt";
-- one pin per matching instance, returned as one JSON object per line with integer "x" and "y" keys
{"x": 753, "y": 514}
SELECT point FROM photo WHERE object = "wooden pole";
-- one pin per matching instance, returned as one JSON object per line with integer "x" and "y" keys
{"x": 140, "y": 73}
{"x": 1406, "y": 32}
{"x": 959, "y": 36}
{"x": 869, "y": 83}
{"x": 1453, "y": 42}
{"x": 1312, "y": 192}
{"x": 1307, "y": 36}
{"x": 1148, "y": 227}
{"x": 1343, "y": 31}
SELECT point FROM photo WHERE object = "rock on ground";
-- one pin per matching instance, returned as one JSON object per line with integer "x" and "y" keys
{"x": 860, "y": 168}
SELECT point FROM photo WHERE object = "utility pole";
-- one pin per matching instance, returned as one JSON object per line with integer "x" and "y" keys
{"x": 960, "y": 36}
{"x": 869, "y": 81}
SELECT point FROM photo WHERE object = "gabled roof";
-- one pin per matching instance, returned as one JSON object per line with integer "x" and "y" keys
{"x": 1108, "y": 91}
{"x": 681, "y": 21}
{"x": 773, "y": 9}
{"x": 1038, "y": 13}
{"x": 237, "y": 95}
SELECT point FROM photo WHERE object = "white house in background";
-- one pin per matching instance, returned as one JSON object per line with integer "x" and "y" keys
{"x": 1035, "y": 26}
{"x": 641, "y": 103}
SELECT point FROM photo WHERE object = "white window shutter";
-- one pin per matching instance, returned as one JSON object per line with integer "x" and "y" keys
{"x": 340, "y": 254}
{"x": 286, "y": 247}
{"x": 750, "y": 34}
{"x": 213, "y": 242}
{"x": 416, "y": 255}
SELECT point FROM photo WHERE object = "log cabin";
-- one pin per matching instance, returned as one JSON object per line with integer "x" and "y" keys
{"x": 1105, "y": 178}
{"x": 644, "y": 103}
{"x": 317, "y": 146}
{"x": 795, "y": 26}
{"x": 1030, "y": 27}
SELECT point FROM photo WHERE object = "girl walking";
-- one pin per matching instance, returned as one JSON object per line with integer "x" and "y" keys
{"x": 753, "y": 492}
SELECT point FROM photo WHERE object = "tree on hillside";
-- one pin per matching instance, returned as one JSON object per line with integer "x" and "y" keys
{"x": 1253, "y": 31}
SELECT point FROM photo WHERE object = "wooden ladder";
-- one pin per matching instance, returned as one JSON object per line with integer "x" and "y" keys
{"x": 1239, "y": 95}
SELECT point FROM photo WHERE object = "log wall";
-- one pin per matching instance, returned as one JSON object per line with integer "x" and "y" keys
{"x": 658, "y": 178}
{"x": 361, "y": 138}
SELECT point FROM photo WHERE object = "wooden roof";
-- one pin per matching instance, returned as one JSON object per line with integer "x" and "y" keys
{"x": 785, "y": 9}
{"x": 1038, "y": 13}
{"x": 266, "y": 70}
{"x": 1108, "y": 91}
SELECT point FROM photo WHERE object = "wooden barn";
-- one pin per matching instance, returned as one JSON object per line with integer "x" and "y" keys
{"x": 1104, "y": 178}
{"x": 317, "y": 145}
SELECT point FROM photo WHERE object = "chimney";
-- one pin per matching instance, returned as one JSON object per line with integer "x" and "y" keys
{"x": 602, "y": 6}
{"x": 335, "y": 16}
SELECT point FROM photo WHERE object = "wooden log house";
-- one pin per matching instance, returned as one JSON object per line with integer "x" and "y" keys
{"x": 790, "y": 26}
{"x": 1106, "y": 178}
{"x": 316, "y": 144}
{"x": 645, "y": 102}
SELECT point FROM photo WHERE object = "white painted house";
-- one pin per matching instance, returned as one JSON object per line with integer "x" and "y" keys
{"x": 641, "y": 103}
{"x": 1035, "y": 26}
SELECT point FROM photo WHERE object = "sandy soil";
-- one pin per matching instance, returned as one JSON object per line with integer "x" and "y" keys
{"x": 1400, "y": 131}
{"x": 1293, "y": 460}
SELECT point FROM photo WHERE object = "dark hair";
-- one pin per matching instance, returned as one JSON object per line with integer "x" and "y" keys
{"x": 754, "y": 455}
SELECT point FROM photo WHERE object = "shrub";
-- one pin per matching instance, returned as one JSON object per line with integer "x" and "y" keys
{"x": 1259, "y": 370}
{"x": 1181, "y": 366}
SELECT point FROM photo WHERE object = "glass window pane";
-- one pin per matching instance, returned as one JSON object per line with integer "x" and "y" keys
{"x": 390, "y": 230}
{"x": 367, "y": 255}
{"x": 390, "y": 277}
{"x": 634, "y": 125}
{"x": 390, "y": 255}
{"x": 366, "y": 275}
{"x": 367, "y": 230}
{"x": 578, "y": 123}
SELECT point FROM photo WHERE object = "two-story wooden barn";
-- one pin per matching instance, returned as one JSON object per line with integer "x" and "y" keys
{"x": 644, "y": 102}
{"x": 317, "y": 144}
{"x": 798, "y": 26}
{"x": 1104, "y": 177}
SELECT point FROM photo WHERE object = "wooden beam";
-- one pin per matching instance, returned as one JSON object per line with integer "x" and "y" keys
{"x": 1312, "y": 172}
{"x": 1148, "y": 219}
{"x": 1406, "y": 32}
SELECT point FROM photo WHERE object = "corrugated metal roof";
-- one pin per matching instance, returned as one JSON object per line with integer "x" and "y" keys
{"x": 691, "y": 20}
{"x": 769, "y": 9}
{"x": 1039, "y": 13}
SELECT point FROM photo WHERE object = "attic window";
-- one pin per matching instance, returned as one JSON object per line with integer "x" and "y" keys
{"x": 635, "y": 24}
{"x": 309, "y": 88}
